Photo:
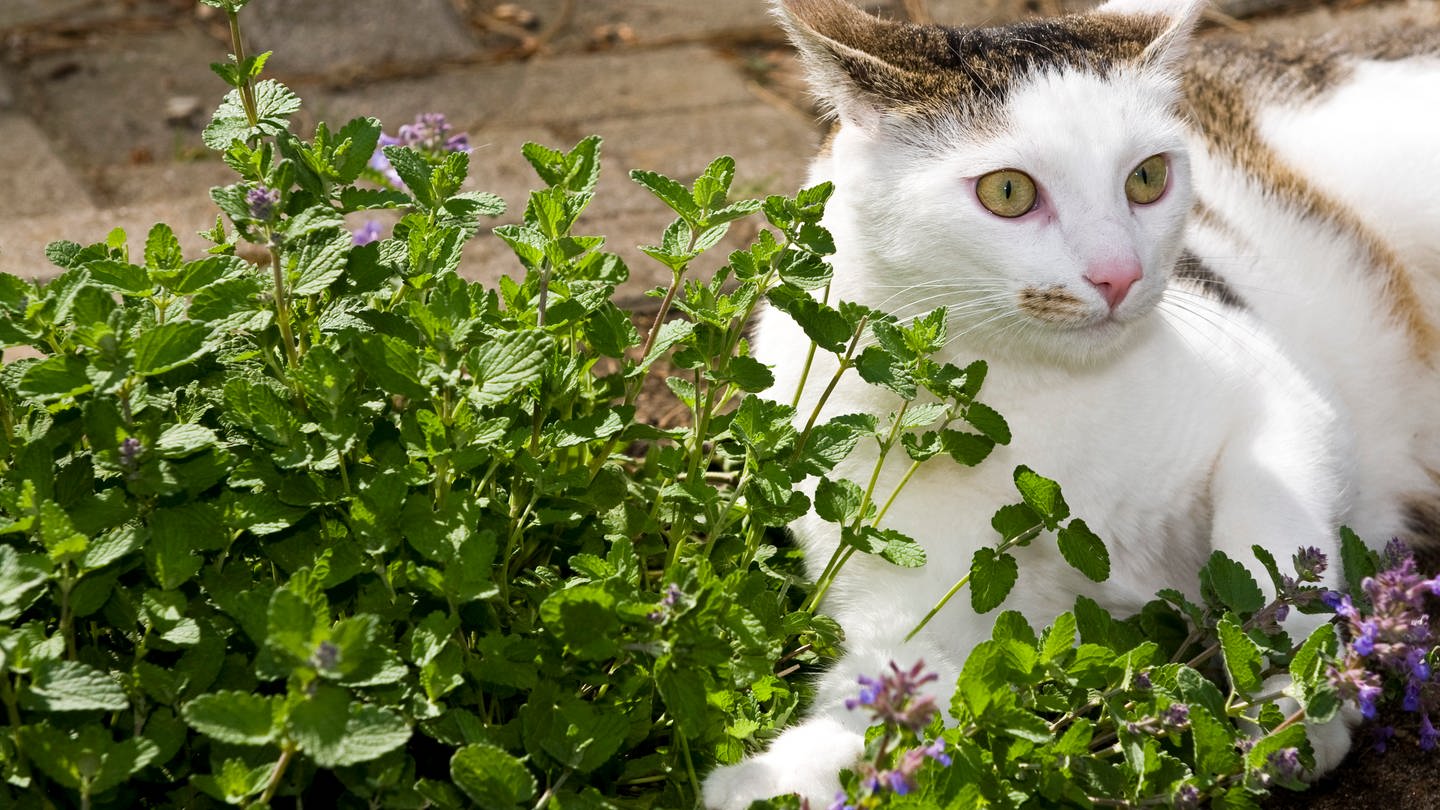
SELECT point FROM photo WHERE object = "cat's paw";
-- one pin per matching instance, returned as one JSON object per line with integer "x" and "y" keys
{"x": 806, "y": 759}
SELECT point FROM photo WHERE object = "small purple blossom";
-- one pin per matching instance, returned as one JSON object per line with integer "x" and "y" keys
{"x": 326, "y": 656}
{"x": 1390, "y": 643}
{"x": 367, "y": 233}
{"x": 1310, "y": 563}
{"x": 1142, "y": 680}
{"x": 1285, "y": 764}
{"x": 1176, "y": 716}
{"x": 1380, "y": 737}
{"x": 895, "y": 699}
{"x": 130, "y": 451}
{"x": 1428, "y": 735}
{"x": 262, "y": 202}
{"x": 1186, "y": 798}
{"x": 429, "y": 133}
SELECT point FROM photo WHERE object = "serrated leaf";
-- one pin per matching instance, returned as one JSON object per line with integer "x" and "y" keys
{"x": 491, "y": 777}
{"x": 1232, "y": 584}
{"x": 1060, "y": 637}
{"x": 992, "y": 577}
{"x": 506, "y": 364}
{"x": 170, "y": 345}
{"x": 117, "y": 276}
{"x": 1356, "y": 559}
{"x": 989, "y": 422}
{"x": 363, "y": 135}
{"x": 320, "y": 261}
{"x": 881, "y": 368}
{"x": 1243, "y": 659}
{"x": 1016, "y": 520}
{"x": 73, "y": 686}
{"x": 414, "y": 171}
{"x": 1084, "y": 550}
{"x": 901, "y": 549}
{"x": 241, "y": 718}
{"x": 178, "y": 441}
{"x": 1042, "y": 495}
{"x": 162, "y": 249}
{"x": 58, "y": 377}
{"x": 670, "y": 192}
{"x": 838, "y": 501}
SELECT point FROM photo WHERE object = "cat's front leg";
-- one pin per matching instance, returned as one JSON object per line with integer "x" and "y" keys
{"x": 1281, "y": 484}
{"x": 806, "y": 759}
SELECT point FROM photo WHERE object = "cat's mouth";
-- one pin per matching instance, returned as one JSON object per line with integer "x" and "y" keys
{"x": 1059, "y": 306}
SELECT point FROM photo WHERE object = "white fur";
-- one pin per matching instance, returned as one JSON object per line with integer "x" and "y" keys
{"x": 1175, "y": 425}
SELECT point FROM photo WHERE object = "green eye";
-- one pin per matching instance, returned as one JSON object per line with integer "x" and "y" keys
{"x": 1147, "y": 182}
{"x": 1007, "y": 193}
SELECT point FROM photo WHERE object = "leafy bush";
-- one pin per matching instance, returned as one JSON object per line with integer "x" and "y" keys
{"x": 340, "y": 523}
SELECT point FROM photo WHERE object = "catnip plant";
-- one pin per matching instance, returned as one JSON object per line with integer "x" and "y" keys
{"x": 337, "y": 526}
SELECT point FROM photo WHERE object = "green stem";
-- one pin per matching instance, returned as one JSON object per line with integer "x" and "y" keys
{"x": 286, "y": 753}
{"x": 965, "y": 580}
{"x": 809, "y": 360}
{"x": 829, "y": 389}
{"x": 247, "y": 86}
{"x": 282, "y": 309}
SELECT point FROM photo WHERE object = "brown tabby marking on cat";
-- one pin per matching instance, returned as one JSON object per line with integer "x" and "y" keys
{"x": 1052, "y": 304}
{"x": 1217, "y": 93}
{"x": 1190, "y": 271}
{"x": 928, "y": 71}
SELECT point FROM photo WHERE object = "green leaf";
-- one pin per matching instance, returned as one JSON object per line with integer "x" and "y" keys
{"x": 1214, "y": 744}
{"x": 1231, "y": 584}
{"x": 670, "y": 192}
{"x": 241, "y": 718}
{"x": 162, "y": 249}
{"x": 91, "y": 761}
{"x": 506, "y": 364}
{"x": 684, "y": 696}
{"x": 1084, "y": 550}
{"x": 121, "y": 277}
{"x": 1356, "y": 559}
{"x": 901, "y": 550}
{"x": 1016, "y": 520}
{"x": 178, "y": 441}
{"x": 1042, "y": 495}
{"x": 583, "y": 617}
{"x": 491, "y": 777}
{"x": 1059, "y": 638}
{"x": 989, "y": 422}
{"x": 414, "y": 172}
{"x": 58, "y": 377}
{"x": 363, "y": 135}
{"x": 321, "y": 260}
{"x": 72, "y": 686}
{"x": 169, "y": 346}
{"x": 838, "y": 501}
{"x": 881, "y": 368}
{"x": 992, "y": 576}
{"x": 1243, "y": 659}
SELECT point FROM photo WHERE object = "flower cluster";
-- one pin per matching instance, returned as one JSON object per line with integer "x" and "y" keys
{"x": 1390, "y": 643}
{"x": 430, "y": 134}
{"x": 894, "y": 699}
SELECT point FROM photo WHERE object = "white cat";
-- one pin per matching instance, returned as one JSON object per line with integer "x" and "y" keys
{"x": 1206, "y": 287}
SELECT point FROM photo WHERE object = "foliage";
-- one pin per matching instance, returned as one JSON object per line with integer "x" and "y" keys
{"x": 340, "y": 523}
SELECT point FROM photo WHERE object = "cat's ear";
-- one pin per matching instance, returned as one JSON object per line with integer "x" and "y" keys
{"x": 1181, "y": 16}
{"x": 844, "y": 52}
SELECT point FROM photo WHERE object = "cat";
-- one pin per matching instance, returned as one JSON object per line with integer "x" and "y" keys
{"x": 1205, "y": 277}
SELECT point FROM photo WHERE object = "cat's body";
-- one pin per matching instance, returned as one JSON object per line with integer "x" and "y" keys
{"x": 1242, "y": 360}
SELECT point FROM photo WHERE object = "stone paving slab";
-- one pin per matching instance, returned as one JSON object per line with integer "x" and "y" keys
{"x": 356, "y": 36}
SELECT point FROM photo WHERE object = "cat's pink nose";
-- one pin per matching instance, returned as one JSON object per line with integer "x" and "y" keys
{"x": 1114, "y": 278}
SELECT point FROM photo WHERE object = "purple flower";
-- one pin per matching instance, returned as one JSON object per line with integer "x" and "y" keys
{"x": 1380, "y": 738}
{"x": 326, "y": 656}
{"x": 1176, "y": 716}
{"x": 1142, "y": 680}
{"x": 429, "y": 133}
{"x": 1186, "y": 798}
{"x": 1285, "y": 764}
{"x": 130, "y": 450}
{"x": 262, "y": 202}
{"x": 1428, "y": 735}
{"x": 895, "y": 697}
{"x": 1310, "y": 563}
{"x": 367, "y": 233}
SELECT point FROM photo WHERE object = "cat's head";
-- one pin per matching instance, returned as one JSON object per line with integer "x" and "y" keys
{"x": 1031, "y": 177}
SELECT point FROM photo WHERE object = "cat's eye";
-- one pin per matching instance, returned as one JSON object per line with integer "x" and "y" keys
{"x": 1147, "y": 182}
{"x": 1006, "y": 193}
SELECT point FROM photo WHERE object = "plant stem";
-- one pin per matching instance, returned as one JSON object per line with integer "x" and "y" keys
{"x": 247, "y": 86}
{"x": 286, "y": 753}
{"x": 282, "y": 309}
{"x": 965, "y": 580}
